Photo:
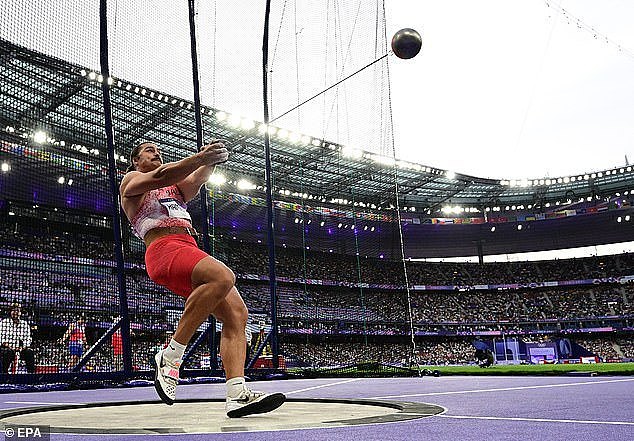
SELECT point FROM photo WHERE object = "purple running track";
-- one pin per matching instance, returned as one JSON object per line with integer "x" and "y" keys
{"x": 478, "y": 408}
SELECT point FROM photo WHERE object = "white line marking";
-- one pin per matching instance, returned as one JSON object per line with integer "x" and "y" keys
{"x": 41, "y": 402}
{"x": 546, "y": 386}
{"x": 322, "y": 385}
{"x": 539, "y": 420}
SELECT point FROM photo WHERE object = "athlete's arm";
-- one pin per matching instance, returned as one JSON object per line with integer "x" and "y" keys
{"x": 136, "y": 183}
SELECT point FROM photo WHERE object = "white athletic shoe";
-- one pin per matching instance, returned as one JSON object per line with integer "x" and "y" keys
{"x": 250, "y": 402}
{"x": 165, "y": 378}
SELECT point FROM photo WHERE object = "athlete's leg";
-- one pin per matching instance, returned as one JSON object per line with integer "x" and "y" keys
{"x": 232, "y": 312}
{"x": 212, "y": 281}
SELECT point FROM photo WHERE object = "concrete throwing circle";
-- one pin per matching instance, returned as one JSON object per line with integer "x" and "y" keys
{"x": 208, "y": 416}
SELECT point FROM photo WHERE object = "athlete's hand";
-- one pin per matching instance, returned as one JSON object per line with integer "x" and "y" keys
{"x": 214, "y": 153}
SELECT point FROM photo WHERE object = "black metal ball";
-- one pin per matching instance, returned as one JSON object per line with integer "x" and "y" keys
{"x": 406, "y": 43}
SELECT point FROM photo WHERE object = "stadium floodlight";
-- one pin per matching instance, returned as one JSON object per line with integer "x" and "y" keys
{"x": 92, "y": 75}
{"x": 244, "y": 184}
{"x": 272, "y": 130}
{"x": 321, "y": 224}
{"x": 351, "y": 152}
{"x": 247, "y": 124}
{"x": 234, "y": 120}
{"x": 70, "y": 182}
{"x": 296, "y": 220}
{"x": 294, "y": 137}
{"x": 519, "y": 227}
{"x": 450, "y": 175}
{"x": 5, "y": 167}
{"x": 282, "y": 133}
{"x": 493, "y": 229}
{"x": 61, "y": 180}
{"x": 384, "y": 160}
{"x": 306, "y": 139}
{"x": 627, "y": 218}
{"x": 372, "y": 229}
{"x": 262, "y": 129}
{"x": 217, "y": 179}
{"x": 340, "y": 224}
{"x": 618, "y": 219}
{"x": 316, "y": 142}
{"x": 40, "y": 136}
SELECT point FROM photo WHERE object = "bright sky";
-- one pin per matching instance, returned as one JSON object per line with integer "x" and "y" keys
{"x": 501, "y": 89}
{"x": 510, "y": 89}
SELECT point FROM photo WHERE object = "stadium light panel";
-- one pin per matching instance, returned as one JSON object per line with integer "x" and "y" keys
{"x": 234, "y": 120}
{"x": 61, "y": 180}
{"x": 492, "y": 229}
{"x": 627, "y": 218}
{"x": 519, "y": 227}
{"x": 217, "y": 179}
{"x": 70, "y": 182}
{"x": 384, "y": 160}
{"x": 247, "y": 124}
{"x": 450, "y": 175}
{"x": 244, "y": 184}
{"x": 619, "y": 219}
{"x": 351, "y": 152}
{"x": 5, "y": 167}
{"x": 40, "y": 136}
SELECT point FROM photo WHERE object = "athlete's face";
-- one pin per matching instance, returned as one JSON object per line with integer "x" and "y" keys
{"x": 149, "y": 158}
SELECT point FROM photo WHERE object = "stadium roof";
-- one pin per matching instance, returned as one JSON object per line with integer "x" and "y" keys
{"x": 39, "y": 92}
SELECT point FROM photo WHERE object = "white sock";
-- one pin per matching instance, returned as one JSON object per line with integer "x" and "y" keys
{"x": 174, "y": 351}
{"x": 235, "y": 386}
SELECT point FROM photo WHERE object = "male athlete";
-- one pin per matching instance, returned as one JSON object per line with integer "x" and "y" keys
{"x": 154, "y": 197}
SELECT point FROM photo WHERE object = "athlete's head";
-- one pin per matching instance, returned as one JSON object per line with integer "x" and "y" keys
{"x": 145, "y": 157}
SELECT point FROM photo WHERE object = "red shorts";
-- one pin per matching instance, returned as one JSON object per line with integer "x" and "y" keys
{"x": 170, "y": 260}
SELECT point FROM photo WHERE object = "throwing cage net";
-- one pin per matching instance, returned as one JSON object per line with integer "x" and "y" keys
{"x": 337, "y": 291}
